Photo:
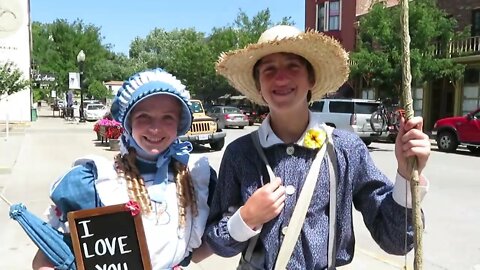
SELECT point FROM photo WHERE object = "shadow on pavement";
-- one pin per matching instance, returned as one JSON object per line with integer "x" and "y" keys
{"x": 459, "y": 151}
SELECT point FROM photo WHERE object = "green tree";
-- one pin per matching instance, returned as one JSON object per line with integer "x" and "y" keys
{"x": 11, "y": 79}
{"x": 379, "y": 51}
{"x": 99, "y": 91}
{"x": 242, "y": 32}
{"x": 191, "y": 55}
{"x": 56, "y": 45}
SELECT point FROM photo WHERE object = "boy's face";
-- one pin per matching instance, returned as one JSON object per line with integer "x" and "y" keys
{"x": 155, "y": 122}
{"x": 283, "y": 79}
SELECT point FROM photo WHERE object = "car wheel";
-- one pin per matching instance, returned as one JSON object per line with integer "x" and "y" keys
{"x": 392, "y": 137}
{"x": 446, "y": 141}
{"x": 367, "y": 142}
{"x": 241, "y": 127}
{"x": 220, "y": 125}
{"x": 218, "y": 145}
{"x": 474, "y": 149}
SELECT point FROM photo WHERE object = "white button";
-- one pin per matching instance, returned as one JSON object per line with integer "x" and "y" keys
{"x": 290, "y": 150}
{"x": 284, "y": 230}
{"x": 289, "y": 189}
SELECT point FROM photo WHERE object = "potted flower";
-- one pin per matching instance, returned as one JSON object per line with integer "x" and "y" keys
{"x": 96, "y": 128}
{"x": 113, "y": 132}
{"x": 110, "y": 131}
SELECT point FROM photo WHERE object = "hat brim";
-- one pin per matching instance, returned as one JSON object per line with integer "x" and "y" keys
{"x": 327, "y": 57}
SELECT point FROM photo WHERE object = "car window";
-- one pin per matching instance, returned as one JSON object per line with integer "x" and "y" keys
{"x": 231, "y": 110}
{"x": 196, "y": 107}
{"x": 341, "y": 107}
{"x": 214, "y": 110}
{"x": 365, "y": 107}
{"x": 317, "y": 106}
{"x": 95, "y": 107}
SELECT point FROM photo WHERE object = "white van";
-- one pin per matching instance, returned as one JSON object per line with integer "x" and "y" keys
{"x": 348, "y": 114}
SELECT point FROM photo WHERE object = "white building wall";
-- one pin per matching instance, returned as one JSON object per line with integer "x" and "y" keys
{"x": 15, "y": 47}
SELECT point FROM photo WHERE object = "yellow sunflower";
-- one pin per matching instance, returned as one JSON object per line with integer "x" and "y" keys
{"x": 314, "y": 138}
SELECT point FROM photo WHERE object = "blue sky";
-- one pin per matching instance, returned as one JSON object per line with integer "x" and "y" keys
{"x": 121, "y": 20}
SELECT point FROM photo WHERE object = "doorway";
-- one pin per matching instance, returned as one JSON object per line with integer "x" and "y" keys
{"x": 442, "y": 100}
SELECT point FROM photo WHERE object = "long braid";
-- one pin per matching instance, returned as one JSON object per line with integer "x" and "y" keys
{"x": 136, "y": 189}
{"x": 185, "y": 192}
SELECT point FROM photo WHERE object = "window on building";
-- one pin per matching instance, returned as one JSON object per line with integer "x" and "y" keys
{"x": 334, "y": 15}
{"x": 320, "y": 17}
{"x": 417, "y": 101}
{"x": 476, "y": 22}
{"x": 471, "y": 90}
{"x": 329, "y": 16}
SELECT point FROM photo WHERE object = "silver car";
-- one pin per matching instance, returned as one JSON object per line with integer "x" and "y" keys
{"x": 228, "y": 116}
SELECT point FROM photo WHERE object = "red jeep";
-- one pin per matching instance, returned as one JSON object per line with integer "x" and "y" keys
{"x": 453, "y": 131}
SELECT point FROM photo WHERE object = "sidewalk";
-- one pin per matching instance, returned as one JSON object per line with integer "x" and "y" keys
{"x": 10, "y": 146}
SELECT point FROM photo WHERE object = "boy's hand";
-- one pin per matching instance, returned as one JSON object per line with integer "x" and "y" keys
{"x": 411, "y": 141}
{"x": 265, "y": 204}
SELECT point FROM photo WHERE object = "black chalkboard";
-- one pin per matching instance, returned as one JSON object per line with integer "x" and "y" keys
{"x": 108, "y": 238}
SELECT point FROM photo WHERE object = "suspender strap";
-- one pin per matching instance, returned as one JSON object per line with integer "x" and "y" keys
{"x": 332, "y": 220}
{"x": 256, "y": 143}
{"x": 300, "y": 211}
{"x": 303, "y": 202}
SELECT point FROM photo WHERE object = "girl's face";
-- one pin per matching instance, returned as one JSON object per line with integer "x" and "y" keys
{"x": 155, "y": 122}
{"x": 284, "y": 81}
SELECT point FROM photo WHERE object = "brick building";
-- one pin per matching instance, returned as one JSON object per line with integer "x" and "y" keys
{"x": 435, "y": 99}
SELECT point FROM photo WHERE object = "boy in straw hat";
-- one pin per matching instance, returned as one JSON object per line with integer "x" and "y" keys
{"x": 286, "y": 70}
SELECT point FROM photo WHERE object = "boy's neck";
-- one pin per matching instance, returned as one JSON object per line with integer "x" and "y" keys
{"x": 289, "y": 127}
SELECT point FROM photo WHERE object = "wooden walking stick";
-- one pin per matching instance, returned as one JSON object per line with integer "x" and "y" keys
{"x": 407, "y": 98}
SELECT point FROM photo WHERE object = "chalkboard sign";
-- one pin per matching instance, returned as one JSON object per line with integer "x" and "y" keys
{"x": 108, "y": 238}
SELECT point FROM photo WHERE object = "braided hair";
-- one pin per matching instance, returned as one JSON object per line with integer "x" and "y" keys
{"x": 127, "y": 169}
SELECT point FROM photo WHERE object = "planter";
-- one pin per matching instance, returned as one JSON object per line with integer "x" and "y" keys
{"x": 102, "y": 132}
{"x": 114, "y": 144}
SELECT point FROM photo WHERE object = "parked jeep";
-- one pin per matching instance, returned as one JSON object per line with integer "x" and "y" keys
{"x": 458, "y": 130}
{"x": 204, "y": 129}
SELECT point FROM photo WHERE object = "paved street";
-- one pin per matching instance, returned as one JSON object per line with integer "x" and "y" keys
{"x": 35, "y": 156}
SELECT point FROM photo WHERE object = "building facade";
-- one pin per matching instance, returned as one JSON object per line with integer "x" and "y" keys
{"x": 15, "y": 43}
{"x": 435, "y": 99}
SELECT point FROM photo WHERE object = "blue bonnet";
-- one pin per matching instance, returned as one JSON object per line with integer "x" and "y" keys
{"x": 146, "y": 84}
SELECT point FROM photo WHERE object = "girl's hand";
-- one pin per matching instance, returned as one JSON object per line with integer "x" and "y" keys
{"x": 265, "y": 204}
{"x": 40, "y": 262}
{"x": 411, "y": 142}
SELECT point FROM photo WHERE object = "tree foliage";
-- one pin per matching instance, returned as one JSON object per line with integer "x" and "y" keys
{"x": 11, "y": 79}
{"x": 379, "y": 55}
{"x": 55, "y": 49}
{"x": 188, "y": 54}
{"x": 191, "y": 55}
{"x": 98, "y": 90}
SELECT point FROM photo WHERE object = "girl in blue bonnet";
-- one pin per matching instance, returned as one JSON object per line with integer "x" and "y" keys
{"x": 154, "y": 169}
{"x": 285, "y": 70}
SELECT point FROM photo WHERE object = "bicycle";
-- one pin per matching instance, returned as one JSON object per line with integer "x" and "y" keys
{"x": 385, "y": 120}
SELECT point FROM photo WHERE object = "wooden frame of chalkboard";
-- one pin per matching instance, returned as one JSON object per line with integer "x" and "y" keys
{"x": 104, "y": 232}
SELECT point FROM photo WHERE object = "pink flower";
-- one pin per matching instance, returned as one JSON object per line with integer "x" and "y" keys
{"x": 133, "y": 207}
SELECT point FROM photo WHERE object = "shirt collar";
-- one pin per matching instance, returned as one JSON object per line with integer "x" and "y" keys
{"x": 269, "y": 138}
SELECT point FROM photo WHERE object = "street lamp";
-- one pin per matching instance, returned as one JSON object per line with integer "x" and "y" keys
{"x": 81, "y": 61}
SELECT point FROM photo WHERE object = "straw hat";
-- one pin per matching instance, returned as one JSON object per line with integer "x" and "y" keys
{"x": 325, "y": 54}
